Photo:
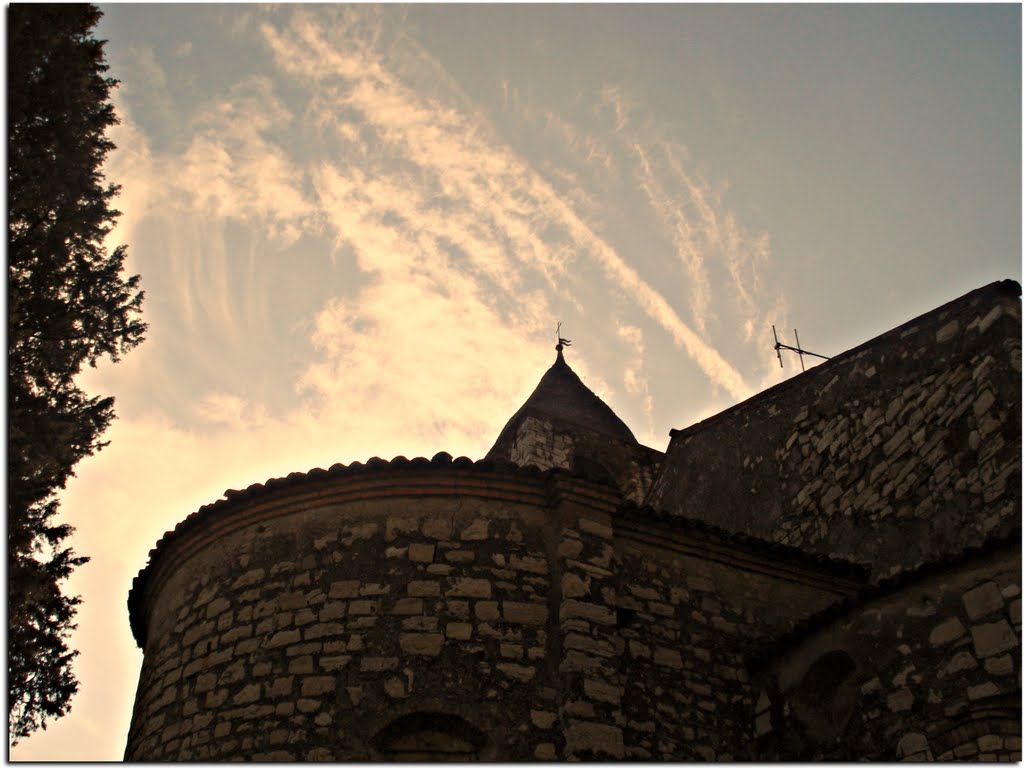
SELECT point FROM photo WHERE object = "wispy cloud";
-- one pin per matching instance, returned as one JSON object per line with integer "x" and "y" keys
{"x": 498, "y": 197}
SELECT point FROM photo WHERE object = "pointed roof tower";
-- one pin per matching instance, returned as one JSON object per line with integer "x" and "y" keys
{"x": 561, "y": 396}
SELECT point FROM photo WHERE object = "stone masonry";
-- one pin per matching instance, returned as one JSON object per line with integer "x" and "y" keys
{"x": 827, "y": 571}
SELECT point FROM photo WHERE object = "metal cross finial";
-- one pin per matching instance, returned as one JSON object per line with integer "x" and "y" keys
{"x": 561, "y": 341}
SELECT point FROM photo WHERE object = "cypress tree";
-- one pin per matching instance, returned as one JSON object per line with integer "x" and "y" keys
{"x": 68, "y": 303}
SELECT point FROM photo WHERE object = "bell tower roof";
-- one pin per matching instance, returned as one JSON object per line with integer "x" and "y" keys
{"x": 562, "y": 397}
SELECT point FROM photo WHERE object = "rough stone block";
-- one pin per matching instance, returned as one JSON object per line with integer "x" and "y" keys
{"x": 248, "y": 694}
{"x": 993, "y": 638}
{"x": 983, "y": 600}
{"x": 313, "y": 686}
{"x": 516, "y": 671}
{"x": 594, "y": 737}
{"x": 395, "y": 687}
{"x": 983, "y": 690}
{"x": 590, "y": 645}
{"x": 595, "y": 613}
{"x": 438, "y": 528}
{"x": 666, "y": 657}
{"x": 602, "y": 691}
{"x": 545, "y": 720}
{"x": 423, "y": 588}
{"x": 408, "y": 606}
{"x": 344, "y": 589}
{"x": 475, "y": 531}
{"x": 537, "y": 566}
{"x": 999, "y": 666}
{"x": 421, "y": 552}
{"x": 321, "y": 630}
{"x": 419, "y": 623}
{"x": 335, "y": 663}
{"x": 486, "y": 610}
{"x": 573, "y": 586}
{"x": 946, "y": 632}
{"x": 282, "y": 638}
{"x": 364, "y": 607}
{"x": 473, "y": 588}
{"x": 525, "y": 613}
{"x": 421, "y": 644}
{"x": 545, "y": 751}
{"x": 901, "y": 700}
{"x": 460, "y": 631}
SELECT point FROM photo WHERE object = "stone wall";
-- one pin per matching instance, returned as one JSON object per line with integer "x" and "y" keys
{"x": 692, "y": 609}
{"x": 928, "y": 670}
{"x": 893, "y": 453}
{"x": 320, "y": 619}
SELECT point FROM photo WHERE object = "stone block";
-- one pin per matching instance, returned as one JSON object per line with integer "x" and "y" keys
{"x": 983, "y": 600}
{"x": 525, "y": 613}
{"x": 602, "y": 691}
{"x": 408, "y": 606}
{"x": 364, "y": 607}
{"x": 472, "y": 588}
{"x": 420, "y": 623}
{"x": 992, "y": 638}
{"x": 321, "y": 630}
{"x": 593, "y": 737}
{"x": 588, "y": 644}
{"x": 421, "y": 552}
{"x": 911, "y": 743}
{"x": 595, "y": 613}
{"x": 947, "y": 631}
{"x": 282, "y": 638}
{"x": 999, "y": 666}
{"x": 545, "y": 751}
{"x": 545, "y": 720}
{"x": 303, "y": 665}
{"x": 573, "y": 586}
{"x": 533, "y": 564}
{"x": 962, "y": 661}
{"x": 248, "y": 694}
{"x": 516, "y": 671}
{"x": 423, "y": 588}
{"x": 486, "y": 610}
{"x": 668, "y": 658}
{"x": 332, "y": 611}
{"x": 900, "y": 700}
{"x": 983, "y": 690}
{"x": 335, "y": 662}
{"x": 313, "y": 686}
{"x": 475, "y": 531}
{"x": 421, "y": 644}
{"x": 344, "y": 589}
{"x": 395, "y": 687}
{"x": 280, "y": 687}
{"x": 460, "y": 631}
{"x": 437, "y": 528}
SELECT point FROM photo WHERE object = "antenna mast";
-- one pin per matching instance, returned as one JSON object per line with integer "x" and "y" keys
{"x": 798, "y": 350}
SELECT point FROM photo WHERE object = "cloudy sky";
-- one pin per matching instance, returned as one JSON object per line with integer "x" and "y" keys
{"x": 358, "y": 226}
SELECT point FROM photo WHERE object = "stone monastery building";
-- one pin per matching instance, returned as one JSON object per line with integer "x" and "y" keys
{"x": 828, "y": 570}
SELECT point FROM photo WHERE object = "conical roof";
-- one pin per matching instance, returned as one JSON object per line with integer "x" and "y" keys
{"x": 561, "y": 395}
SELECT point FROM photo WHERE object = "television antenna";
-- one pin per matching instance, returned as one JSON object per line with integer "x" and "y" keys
{"x": 798, "y": 350}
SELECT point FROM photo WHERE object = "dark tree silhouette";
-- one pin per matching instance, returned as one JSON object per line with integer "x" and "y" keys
{"x": 68, "y": 304}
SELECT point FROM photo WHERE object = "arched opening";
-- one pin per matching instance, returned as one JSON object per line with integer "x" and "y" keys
{"x": 827, "y": 694}
{"x": 429, "y": 736}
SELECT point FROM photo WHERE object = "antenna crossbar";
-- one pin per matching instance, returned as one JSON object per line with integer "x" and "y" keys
{"x": 779, "y": 346}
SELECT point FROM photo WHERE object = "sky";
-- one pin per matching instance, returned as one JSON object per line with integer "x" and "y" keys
{"x": 358, "y": 226}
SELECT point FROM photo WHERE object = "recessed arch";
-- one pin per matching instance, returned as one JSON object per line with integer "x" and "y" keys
{"x": 429, "y": 735}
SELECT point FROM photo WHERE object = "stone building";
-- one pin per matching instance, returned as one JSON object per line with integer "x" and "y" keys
{"x": 828, "y": 570}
